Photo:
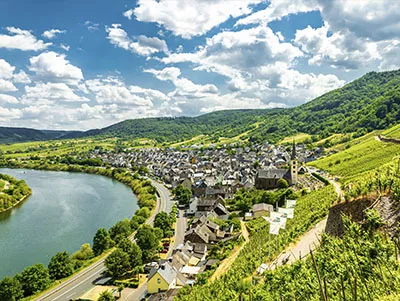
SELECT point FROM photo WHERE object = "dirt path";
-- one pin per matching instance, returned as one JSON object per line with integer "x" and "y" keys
{"x": 227, "y": 262}
{"x": 309, "y": 241}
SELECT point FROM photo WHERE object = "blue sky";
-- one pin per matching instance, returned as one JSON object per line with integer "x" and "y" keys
{"x": 88, "y": 64}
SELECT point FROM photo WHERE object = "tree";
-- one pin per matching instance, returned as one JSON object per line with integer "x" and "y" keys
{"x": 120, "y": 230}
{"x": 84, "y": 253}
{"x": 117, "y": 263}
{"x": 182, "y": 194}
{"x": 135, "y": 256}
{"x": 101, "y": 241}
{"x": 282, "y": 183}
{"x": 10, "y": 289}
{"x": 106, "y": 296}
{"x": 163, "y": 221}
{"x": 60, "y": 266}
{"x": 34, "y": 279}
{"x": 147, "y": 241}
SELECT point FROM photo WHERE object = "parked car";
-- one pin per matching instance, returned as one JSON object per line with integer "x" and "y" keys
{"x": 164, "y": 251}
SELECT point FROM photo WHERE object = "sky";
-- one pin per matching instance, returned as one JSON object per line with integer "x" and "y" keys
{"x": 78, "y": 65}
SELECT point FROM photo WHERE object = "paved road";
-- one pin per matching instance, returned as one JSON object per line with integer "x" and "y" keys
{"x": 83, "y": 281}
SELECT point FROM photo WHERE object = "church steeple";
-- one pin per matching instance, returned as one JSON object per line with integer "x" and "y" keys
{"x": 293, "y": 156}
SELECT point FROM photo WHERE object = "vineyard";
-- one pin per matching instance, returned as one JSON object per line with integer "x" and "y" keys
{"x": 364, "y": 154}
{"x": 263, "y": 247}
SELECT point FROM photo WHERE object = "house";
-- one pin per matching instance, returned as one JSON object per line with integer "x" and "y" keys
{"x": 262, "y": 209}
{"x": 161, "y": 279}
{"x": 200, "y": 234}
{"x": 268, "y": 178}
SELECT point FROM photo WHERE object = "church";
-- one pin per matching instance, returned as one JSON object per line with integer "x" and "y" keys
{"x": 268, "y": 178}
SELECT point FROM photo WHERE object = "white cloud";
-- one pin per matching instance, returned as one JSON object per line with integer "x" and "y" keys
{"x": 7, "y": 86}
{"x": 7, "y": 99}
{"x": 143, "y": 45}
{"x": 113, "y": 91}
{"x": 9, "y": 114}
{"x": 376, "y": 20}
{"x": 22, "y": 40}
{"x": 6, "y": 70}
{"x": 91, "y": 26}
{"x": 184, "y": 86}
{"x": 188, "y": 18}
{"x": 65, "y": 47}
{"x": 278, "y": 9}
{"x": 21, "y": 78}
{"x": 53, "y": 67}
{"x": 49, "y": 93}
{"x": 50, "y": 34}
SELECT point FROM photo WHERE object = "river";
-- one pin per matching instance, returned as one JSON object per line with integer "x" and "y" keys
{"x": 64, "y": 211}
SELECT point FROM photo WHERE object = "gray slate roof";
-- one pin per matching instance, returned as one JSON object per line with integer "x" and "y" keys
{"x": 165, "y": 271}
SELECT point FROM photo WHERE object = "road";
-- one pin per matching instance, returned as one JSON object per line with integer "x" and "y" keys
{"x": 83, "y": 281}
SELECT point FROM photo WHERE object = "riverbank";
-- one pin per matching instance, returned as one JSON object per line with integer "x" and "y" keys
{"x": 17, "y": 192}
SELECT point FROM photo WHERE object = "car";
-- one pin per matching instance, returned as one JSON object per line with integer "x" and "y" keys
{"x": 166, "y": 244}
{"x": 164, "y": 251}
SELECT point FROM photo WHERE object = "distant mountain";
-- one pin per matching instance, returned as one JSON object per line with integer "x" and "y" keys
{"x": 368, "y": 103}
{"x": 12, "y": 135}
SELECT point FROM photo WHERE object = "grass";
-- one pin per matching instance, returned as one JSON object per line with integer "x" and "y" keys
{"x": 359, "y": 157}
{"x": 393, "y": 132}
{"x": 298, "y": 138}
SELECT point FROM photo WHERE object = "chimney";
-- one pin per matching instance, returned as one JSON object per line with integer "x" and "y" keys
{"x": 163, "y": 267}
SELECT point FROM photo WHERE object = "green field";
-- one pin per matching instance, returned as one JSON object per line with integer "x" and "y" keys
{"x": 359, "y": 157}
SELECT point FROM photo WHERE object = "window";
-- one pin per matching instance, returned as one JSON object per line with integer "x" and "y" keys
{"x": 158, "y": 280}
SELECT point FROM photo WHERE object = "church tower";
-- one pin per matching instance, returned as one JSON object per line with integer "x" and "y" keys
{"x": 293, "y": 165}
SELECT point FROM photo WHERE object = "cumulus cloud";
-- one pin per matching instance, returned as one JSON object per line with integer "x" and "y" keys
{"x": 21, "y": 77}
{"x": 21, "y": 39}
{"x": 50, "y": 34}
{"x": 188, "y": 18}
{"x": 7, "y": 86}
{"x": 142, "y": 45}
{"x": 47, "y": 93}
{"x": 9, "y": 114}
{"x": 6, "y": 70}
{"x": 53, "y": 67}
{"x": 7, "y": 99}
{"x": 114, "y": 91}
{"x": 336, "y": 49}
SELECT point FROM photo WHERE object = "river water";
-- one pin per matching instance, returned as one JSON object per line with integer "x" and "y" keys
{"x": 64, "y": 211}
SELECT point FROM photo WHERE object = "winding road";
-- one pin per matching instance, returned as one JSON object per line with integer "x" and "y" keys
{"x": 83, "y": 281}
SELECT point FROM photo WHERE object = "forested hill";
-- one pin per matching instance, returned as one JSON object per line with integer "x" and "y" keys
{"x": 368, "y": 103}
{"x": 11, "y": 135}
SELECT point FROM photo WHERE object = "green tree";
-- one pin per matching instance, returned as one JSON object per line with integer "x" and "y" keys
{"x": 147, "y": 241}
{"x": 282, "y": 183}
{"x": 120, "y": 289}
{"x": 121, "y": 229}
{"x": 135, "y": 256}
{"x": 106, "y": 296}
{"x": 101, "y": 241}
{"x": 84, "y": 253}
{"x": 164, "y": 222}
{"x": 34, "y": 279}
{"x": 10, "y": 289}
{"x": 182, "y": 194}
{"x": 117, "y": 263}
{"x": 60, "y": 266}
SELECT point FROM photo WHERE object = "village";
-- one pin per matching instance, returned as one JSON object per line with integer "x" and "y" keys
{"x": 206, "y": 229}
